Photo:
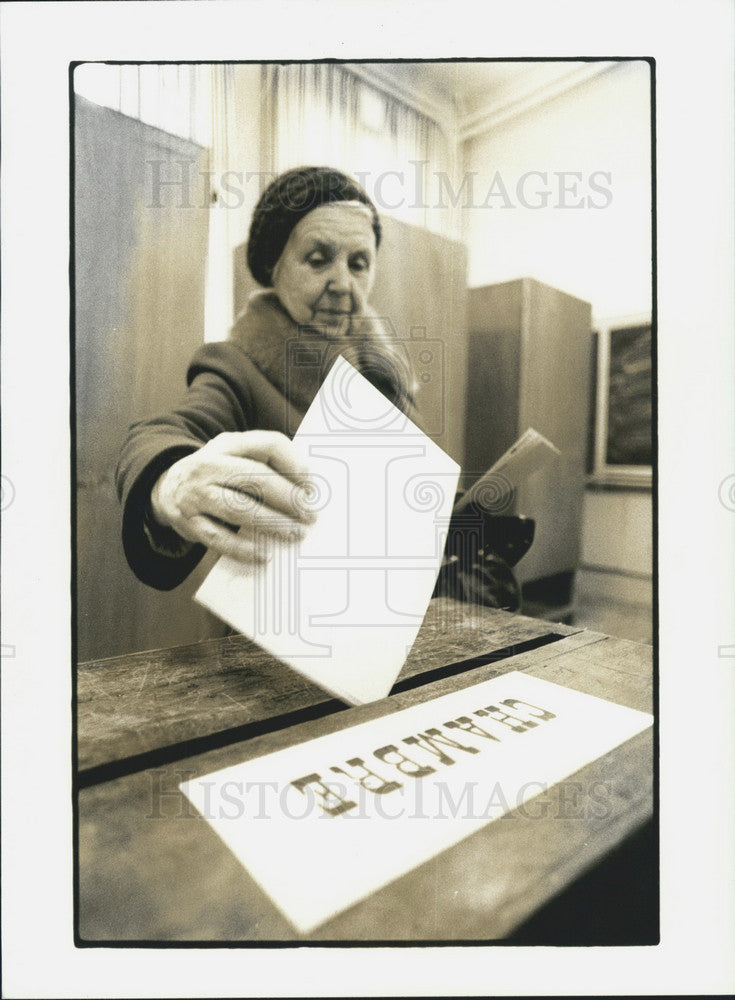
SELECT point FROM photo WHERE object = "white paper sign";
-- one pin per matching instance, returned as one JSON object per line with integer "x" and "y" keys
{"x": 325, "y": 823}
{"x": 344, "y": 606}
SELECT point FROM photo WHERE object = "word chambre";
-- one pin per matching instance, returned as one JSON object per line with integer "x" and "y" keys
{"x": 511, "y": 718}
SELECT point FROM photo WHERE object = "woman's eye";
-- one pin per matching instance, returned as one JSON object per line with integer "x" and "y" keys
{"x": 359, "y": 263}
{"x": 316, "y": 260}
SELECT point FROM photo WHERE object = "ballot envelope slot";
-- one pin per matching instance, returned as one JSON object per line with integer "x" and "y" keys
{"x": 158, "y": 757}
{"x": 462, "y": 666}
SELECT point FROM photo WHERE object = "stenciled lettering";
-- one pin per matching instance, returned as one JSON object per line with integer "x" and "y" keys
{"x": 328, "y": 799}
{"x": 433, "y": 740}
{"x": 541, "y": 713}
{"x": 466, "y": 724}
{"x": 380, "y": 786}
{"x": 404, "y": 764}
{"x": 498, "y": 715}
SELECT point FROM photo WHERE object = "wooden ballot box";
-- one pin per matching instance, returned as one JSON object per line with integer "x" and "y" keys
{"x": 151, "y": 869}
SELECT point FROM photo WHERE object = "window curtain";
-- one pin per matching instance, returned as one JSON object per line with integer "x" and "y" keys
{"x": 328, "y": 114}
{"x": 223, "y": 231}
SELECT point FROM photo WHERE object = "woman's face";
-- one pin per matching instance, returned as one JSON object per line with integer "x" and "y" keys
{"x": 326, "y": 271}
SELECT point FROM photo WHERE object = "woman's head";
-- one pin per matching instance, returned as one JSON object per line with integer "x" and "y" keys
{"x": 327, "y": 268}
{"x": 314, "y": 237}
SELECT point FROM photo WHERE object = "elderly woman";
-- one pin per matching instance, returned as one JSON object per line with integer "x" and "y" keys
{"x": 182, "y": 477}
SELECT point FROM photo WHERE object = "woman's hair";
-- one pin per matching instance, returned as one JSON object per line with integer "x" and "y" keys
{"x": 285, "y": 201}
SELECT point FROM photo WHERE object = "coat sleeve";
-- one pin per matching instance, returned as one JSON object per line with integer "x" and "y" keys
{"x": 219, "y": 398}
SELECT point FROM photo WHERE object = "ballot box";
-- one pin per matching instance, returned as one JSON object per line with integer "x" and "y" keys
{"x": 153, "y": 726}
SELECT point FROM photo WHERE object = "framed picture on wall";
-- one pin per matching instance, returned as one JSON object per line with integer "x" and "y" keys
{"x": 622, "y": 449}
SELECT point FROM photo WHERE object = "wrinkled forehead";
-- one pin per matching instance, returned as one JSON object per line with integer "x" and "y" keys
{"x": 341, "y": 222}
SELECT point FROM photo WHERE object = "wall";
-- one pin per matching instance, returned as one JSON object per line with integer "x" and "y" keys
{"x": 601, "y": 131}
{"x": 616, "y": 532}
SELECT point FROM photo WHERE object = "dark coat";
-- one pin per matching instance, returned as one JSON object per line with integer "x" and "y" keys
{"x": 226, "y": 392}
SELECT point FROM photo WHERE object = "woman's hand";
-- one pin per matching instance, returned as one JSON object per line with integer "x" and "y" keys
{"x": 254, "y": 481}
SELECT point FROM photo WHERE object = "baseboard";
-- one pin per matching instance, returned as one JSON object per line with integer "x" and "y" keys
{"x": 607, "y": 585}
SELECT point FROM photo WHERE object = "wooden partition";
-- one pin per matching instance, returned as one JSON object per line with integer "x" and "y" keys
{"x": 139, "y": 255}
{"x": 530, "y": 367}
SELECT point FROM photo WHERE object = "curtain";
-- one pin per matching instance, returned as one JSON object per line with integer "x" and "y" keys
{"x": 321, "y": 113}
{"x": 222, "y": 232}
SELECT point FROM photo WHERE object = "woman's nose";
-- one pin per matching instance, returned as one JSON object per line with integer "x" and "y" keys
{"x": 339, "y": 278}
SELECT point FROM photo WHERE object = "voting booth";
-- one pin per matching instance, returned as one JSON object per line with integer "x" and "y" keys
{"x": 317, "y": 750}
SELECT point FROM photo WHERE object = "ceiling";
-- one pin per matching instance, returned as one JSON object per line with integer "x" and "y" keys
{"x": 475, "y": 89}
{"x": 474, "y": 83}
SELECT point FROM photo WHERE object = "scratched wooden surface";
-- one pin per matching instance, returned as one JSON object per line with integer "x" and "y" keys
{"x": 151, "y": 869}
{"x": 133, "y": 704}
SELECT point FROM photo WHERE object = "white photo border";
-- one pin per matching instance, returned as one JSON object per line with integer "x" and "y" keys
{"x": 692, "y": 45}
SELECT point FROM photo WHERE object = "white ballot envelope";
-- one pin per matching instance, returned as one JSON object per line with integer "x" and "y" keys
{"x": 344, "y": 605}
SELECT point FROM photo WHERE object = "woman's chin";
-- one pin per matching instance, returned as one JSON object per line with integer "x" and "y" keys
{"x": 331, "y": 325}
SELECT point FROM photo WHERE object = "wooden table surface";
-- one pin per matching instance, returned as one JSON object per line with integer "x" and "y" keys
{"x": 151, "y": 869}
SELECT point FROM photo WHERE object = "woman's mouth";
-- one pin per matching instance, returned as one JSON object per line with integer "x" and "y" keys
{"x": 336, "y": 320}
